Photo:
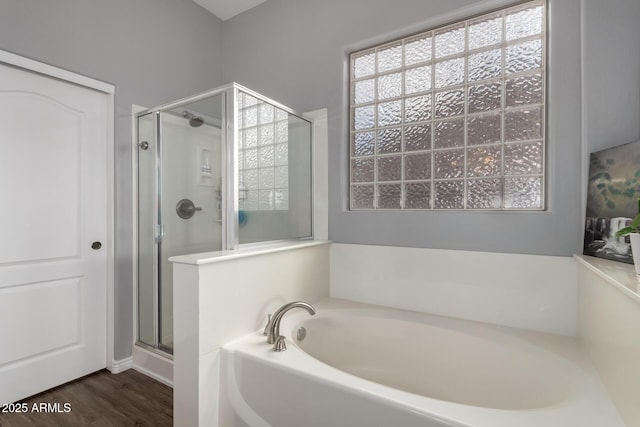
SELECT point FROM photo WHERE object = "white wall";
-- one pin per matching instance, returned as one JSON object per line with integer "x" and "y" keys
{"x": 523, "y": 291}
{"x": 217, "y": 302}
{"x": 320, "y": 179}
{"x": 609, "y": 328}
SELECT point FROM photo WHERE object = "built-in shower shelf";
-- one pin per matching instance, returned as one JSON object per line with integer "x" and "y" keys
{"x": 205, "y": 171}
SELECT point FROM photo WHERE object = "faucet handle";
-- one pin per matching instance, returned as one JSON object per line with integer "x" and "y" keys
{"x": 280, "y": 344}
{"x": 266, "y": 327}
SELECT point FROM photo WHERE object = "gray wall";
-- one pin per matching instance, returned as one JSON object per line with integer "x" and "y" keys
{"x": 611, "y": 81}
{"x": 154, "y": 51}
{"x": 611, "y": 89}
{"x": 300, "y": 48}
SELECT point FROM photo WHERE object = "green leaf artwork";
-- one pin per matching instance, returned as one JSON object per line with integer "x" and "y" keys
{"x": 614, "y": 182}
{"x": 613, "y": 202}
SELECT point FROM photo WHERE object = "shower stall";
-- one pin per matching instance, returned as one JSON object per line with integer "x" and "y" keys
{"x": 215, "y": 171}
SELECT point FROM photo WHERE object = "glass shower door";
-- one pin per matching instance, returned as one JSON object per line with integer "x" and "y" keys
{"x": 190, "y": 197}
{"x": 180, "y": 158}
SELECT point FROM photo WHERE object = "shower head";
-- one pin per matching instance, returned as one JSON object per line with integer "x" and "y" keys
{"x": 194, "y": 121}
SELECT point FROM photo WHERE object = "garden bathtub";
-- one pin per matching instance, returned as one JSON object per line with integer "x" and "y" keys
{"x": 362, "y": 365}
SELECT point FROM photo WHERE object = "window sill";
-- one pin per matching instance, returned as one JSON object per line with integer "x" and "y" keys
{"x": 622, "y": 276}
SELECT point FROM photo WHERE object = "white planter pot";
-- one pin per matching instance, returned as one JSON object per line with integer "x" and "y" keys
{"x": 635, "y": 250}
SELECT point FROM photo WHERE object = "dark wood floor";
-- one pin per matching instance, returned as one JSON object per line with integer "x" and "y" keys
{"x": 100, "y": 399}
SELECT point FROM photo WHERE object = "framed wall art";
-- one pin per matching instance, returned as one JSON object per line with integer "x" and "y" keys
{"x": 612, "y": 201}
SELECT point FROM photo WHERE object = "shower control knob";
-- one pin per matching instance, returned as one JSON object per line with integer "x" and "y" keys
{"x": 96, "y": 245}
{"x": 143, "y": 145}
{"x": 185, "y": 208}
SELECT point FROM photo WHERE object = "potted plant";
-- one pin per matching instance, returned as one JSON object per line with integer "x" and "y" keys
{"x": 633, "y": 231}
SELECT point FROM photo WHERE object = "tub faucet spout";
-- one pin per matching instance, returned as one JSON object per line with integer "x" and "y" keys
{"x": 274, "y": 325}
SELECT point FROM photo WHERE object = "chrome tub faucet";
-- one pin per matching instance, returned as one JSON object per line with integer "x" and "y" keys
{"x": 273, "y": 327}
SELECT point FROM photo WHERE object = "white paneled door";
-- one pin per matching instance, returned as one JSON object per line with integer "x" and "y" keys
{"x": 53, "y": 232}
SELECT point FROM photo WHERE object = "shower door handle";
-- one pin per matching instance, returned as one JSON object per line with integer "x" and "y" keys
{"x": 186, "y": 208}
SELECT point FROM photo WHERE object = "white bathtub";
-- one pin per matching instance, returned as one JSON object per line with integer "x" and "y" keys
{"x": 368, "y": 366}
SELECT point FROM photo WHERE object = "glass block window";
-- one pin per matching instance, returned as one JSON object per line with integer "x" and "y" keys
{"x": 452, "y": 118}
{"x": 263, "y": 155}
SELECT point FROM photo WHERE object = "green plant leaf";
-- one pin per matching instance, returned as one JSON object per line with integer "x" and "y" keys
{"x": 606, "y": 176}
{"x": 636, "y": 222}
{"x": 624, "y": 231}
{"x": 601, "y": 186}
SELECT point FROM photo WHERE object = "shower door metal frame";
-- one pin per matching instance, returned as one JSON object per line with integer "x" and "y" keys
{"x": 159, "y": 234}
{"x": 157, "y": 230}
{"x": 229, "y": 184}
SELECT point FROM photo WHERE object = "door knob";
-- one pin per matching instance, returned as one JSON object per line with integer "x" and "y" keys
{"x": 96, "y": 245}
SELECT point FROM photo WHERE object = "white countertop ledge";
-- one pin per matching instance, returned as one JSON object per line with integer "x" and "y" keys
{"x": 244, "y": 252}
{"x": 622, "y": 276}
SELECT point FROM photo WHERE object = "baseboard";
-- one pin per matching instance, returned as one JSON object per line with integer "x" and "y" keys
{"x": 153, "y": 365}
{"x": 117, "y": 366}
{"x": 153, "y": 375}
